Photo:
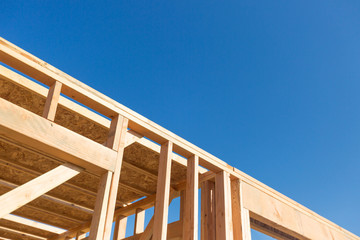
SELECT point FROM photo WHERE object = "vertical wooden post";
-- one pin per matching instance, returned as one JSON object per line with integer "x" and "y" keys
{"x": 98, "y": 219}
{"x": 120, "y": 228}
{"x": 116, "y": 141}
{"x": 240, "y": 215}
{"x": 52, "y": 101}
{"x": 190, "y": 222}
{"x": 182, "y": 204}
{"x": 245, "y": 221}
{"x": 139, "y": 221}
{"x": 162, "y": 192}
{"x": 223, "y": 206}
{"x": 208, "y": 219}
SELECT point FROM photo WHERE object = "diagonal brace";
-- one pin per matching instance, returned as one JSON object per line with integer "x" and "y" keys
{"x": 33, "y": 189}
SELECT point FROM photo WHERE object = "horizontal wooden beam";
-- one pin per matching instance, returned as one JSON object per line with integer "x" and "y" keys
{"x": 21, "y": 233}
{"x": 34, "y": 131}
{"x": 33, "y": 224}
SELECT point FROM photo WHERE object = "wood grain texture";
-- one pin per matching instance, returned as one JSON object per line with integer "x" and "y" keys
{"x": 36, "y": 187}
{"x": 162, "y": 192}
{"x": 190, "y": 220}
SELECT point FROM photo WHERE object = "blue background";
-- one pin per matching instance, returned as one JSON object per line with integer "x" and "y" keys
{"x": 271, "y": 87}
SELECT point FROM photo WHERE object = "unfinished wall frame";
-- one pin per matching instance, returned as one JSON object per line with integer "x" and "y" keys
{"x": 114, "y": 163}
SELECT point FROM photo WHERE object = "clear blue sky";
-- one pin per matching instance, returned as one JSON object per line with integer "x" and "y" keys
{"x": 271, "y": 87}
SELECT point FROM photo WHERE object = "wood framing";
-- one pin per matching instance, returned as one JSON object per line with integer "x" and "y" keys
{"x": 69, "y": 170}
{"x": 223, "y": 206}
{"x": 208, "y": 215}
{"x": 190, "y": 220}
{"x": 163, "y": 191}
{"x": 36, "y": 187}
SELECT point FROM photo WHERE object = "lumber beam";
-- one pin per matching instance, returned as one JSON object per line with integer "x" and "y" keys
{"x": 52, "y": 101}
{"x": 98, "y": 220}
{"x": 21, "y": 234}
{"x": 116, "y": 141}
{"x": 223, "y": 206}
{"x": 139, "y": 221}
{"x": 34, "y": 173}
{"x": 240, "y": 215}
{"x": 29, "y": 129}
{"x": 33, "y": 224}
{"x": 208, "y": 220}
{"x": 162, "y": 192}
{"x": 120, "y": 227}
{"x": 51, "y": 198}
{"x": 190, "y": 221}
{"x": 36, "y": 187}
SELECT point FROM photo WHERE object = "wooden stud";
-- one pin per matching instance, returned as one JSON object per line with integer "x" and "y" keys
{"x": 52, "y": 101}
{"x": 120, "y": 227}
{"x": 245, "y": 223}
{"x": 162, "y": 192}
{"x": 116, "y": 141}
{"x": 98, "y": 220}
{"x": 182, "y": 204}
{"x": 190, "y": 221}
{"x": 139, "y": 221}
{"x": 236, "y": 206}
{"x": 223, "y": 206}
{"x": 36, "y": 187}
{"x": 208, "y": 219}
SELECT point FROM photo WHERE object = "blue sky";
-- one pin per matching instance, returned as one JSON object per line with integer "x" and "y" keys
{"x": 271, "y": 87}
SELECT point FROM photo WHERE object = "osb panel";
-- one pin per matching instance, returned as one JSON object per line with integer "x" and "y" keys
{"x": 37, "y": 215}
{"x": 35, "y": 103}
{"x": 25, "y": 228}
{"x": 21, "y": 97}
{"x": 148, "y": 159}
{"x": 81, "y": 125}
{"x": 12, "y": 235}
{"x": 142, "y": 157}
{"x": 137, "y": 180}
{"x": 126, "y": 196}
{"x": 26, "y": 158}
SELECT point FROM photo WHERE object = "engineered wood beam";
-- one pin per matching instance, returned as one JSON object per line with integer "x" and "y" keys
{"x": 36, "y": 187}
{"x": 162, "y": 192}
{"x": 52, "y": 101}
{"x": 208, "y": 218}
{"x": 190, "y": 220}
{"x": 223, "y": 206}
{"x": 33, "y": 131}
{"x": 120, "y": 227}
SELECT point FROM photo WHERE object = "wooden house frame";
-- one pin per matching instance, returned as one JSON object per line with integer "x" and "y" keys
{"x": 74, "y": 164}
